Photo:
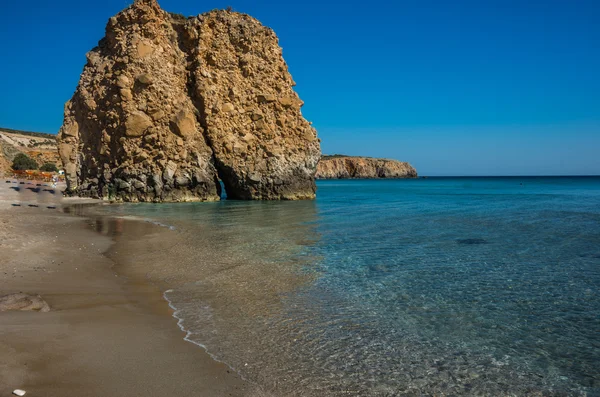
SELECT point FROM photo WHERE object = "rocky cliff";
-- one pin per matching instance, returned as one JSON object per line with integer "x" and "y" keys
{"x": 344, "y": 167}
{"x": 168, "y": 106}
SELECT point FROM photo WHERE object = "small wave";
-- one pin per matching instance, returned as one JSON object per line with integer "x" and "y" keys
{"x": 188, "y": 335}
{"x": 147, "y": 220}
{"x": 157, "y": 223}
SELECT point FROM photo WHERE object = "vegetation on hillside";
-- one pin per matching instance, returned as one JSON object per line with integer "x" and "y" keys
{"x": 49, "y": 167}
{"x": 24, "y": 162}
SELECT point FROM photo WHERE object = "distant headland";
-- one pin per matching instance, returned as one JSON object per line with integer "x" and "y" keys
{"x": 347, "y": 167}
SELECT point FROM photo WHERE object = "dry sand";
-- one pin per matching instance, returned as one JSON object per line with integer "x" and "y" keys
{"x": 107, "y": 334}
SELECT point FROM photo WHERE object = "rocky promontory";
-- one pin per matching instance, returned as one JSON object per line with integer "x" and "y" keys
{"x": 167, "y": 107}
{"x": 346, "y": 167}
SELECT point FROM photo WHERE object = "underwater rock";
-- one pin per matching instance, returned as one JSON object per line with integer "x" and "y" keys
{"x": 472, "y": 241}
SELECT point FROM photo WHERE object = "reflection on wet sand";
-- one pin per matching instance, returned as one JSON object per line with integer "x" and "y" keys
{"x": 228, "y": 267}
{"x": 237, "y": 258}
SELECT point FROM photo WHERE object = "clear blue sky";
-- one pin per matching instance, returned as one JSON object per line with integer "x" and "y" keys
{"x": 481, "y": 87}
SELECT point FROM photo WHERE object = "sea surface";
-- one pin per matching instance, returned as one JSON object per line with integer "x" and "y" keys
{"x": 437, "y": 286}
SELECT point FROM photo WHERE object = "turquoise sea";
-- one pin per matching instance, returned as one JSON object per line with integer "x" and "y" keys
{"x": 437, "y": 286}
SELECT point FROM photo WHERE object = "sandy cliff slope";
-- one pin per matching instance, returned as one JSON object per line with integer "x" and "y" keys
{"x": 41, "y": 147}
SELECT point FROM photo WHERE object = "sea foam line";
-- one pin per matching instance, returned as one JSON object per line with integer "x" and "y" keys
{"x": 148, "y": 220}
{"x": 188, "y": 333}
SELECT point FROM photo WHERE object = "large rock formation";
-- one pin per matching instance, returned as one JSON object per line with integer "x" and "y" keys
{"x": 168, "y": 106}
{"x": 344, "y": 167}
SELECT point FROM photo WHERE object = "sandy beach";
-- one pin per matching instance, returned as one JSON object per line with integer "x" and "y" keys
{"x": 107, "y": 334}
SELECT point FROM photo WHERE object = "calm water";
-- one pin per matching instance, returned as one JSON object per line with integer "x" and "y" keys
{"x": 439, "y": 286}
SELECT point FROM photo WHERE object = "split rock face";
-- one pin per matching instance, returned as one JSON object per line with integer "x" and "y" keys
{"x": 168, "y": 106}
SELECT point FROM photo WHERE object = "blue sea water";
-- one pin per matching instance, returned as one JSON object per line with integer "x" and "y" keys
{"x": 438, "y": 286}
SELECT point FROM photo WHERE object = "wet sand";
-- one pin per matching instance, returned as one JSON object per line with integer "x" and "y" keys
{"x": 107, "y": 334}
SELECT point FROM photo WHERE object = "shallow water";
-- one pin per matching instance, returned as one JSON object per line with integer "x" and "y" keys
{"x": 439, "y": 286}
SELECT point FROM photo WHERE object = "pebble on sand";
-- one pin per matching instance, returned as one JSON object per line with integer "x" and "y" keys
{"x": 22, "y": 301}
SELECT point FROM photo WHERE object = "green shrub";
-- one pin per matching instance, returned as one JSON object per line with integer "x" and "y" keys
{"x": 49, "y": 167}
{"x": 24, "y": 162}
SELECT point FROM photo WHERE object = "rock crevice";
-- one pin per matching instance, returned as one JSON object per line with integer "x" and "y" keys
{"x": 168, "y": 106}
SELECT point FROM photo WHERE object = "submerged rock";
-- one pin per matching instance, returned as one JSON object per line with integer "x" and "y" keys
{"x": 23, "y": 302}
{"x": 471, "y": 241}
{"x": 346, "y": 167}
{"x": 167, "y": 106}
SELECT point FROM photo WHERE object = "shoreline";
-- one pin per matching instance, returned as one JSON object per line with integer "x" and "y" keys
{"x": 109, "y": 331}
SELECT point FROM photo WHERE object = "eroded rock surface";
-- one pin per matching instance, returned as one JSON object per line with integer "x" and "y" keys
{"x": 167, "y": 106}
{"x": 345, "y": 167}
{"x": 23, "y": 302}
